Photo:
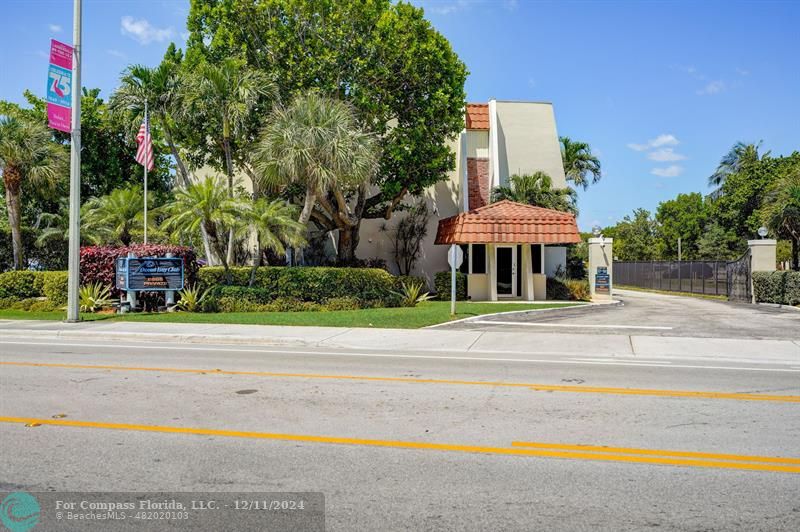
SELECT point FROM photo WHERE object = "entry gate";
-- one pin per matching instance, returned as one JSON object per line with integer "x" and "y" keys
{"x": 739, "y": 280}
{"x": 709, "y": 277}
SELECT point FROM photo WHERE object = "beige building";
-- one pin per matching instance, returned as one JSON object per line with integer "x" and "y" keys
{"x": 500, "y": 138}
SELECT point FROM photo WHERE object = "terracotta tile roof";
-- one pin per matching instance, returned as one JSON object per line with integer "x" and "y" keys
{"x": 477, "y": 116}
{"x": 509, "y": 222}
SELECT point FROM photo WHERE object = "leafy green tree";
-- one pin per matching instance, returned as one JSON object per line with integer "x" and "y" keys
{"x": 736, "y": 206}
{"x": 536, "y": 189}
{"x": 718, "y": 243}
{"x": 316, "y": 142}
{"x": 580, "y": 166}
{"x": 108, "y": 147}
{"x": 635, "y": 237}
{"x": 781, "y": 208}
{"x": 683, "y": 217}
{"x": 27, "y": 155}
{"x": 206, "y": 206}
{"x": 384, "y": 58}
{"x": 739, "y": 156}
{"x": 224, "y": 95}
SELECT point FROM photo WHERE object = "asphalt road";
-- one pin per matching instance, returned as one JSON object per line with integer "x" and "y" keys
{"x": 410, "y": 444}
{"x": 648, "y": 313}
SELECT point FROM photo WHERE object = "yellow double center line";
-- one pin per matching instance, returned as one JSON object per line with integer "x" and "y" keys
{"x": 549, "y": 450}
{"x": 530, "y": 386}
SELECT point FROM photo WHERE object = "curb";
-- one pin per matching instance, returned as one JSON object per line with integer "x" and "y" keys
{"x": 566, "y": 309}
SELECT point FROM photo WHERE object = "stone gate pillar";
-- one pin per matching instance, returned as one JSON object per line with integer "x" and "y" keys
{"x": 763, "y": 254}
{"x": 600, "y": 267}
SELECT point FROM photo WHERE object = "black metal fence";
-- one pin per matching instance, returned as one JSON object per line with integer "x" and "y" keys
{"x": 694, "y": 276}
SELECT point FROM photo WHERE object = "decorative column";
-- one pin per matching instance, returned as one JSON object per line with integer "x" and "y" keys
{"x": 526, "y": 272}
{"x": 491, "y": 259}
{"x": 600, "y": 268}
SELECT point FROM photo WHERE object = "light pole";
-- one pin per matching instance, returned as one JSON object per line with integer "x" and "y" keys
{"x": 73, "y": 278}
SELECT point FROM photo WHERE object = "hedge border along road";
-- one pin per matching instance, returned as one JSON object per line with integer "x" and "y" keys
{"x": 781, "y": 287}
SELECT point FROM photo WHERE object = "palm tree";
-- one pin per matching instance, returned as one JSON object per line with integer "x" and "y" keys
{"x": 27, "y": 153}
{"x": 228, "y": 93}
{"x": 536, "y": 189}
{"x": 275, "y": 225}
{"x": 206, "y": 206}
{"x": 161, "y": 88}
{"x": 315, "y": 142}
{"x": 54, "y": 226}
{"x": 740, "y": 155}
{"x": 781, "y": 211}
{"x": 115, "y": 217}
{"x": 579, "y": 163}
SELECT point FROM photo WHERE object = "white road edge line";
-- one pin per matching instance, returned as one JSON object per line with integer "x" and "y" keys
{"x": 570, "y": 361}
{"x": 573, "y": 325}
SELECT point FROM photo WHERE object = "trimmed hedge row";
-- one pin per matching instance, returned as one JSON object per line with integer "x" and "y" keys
{"x": 443, "y": 280}
{"x": 316, "y": 284}
{"x": 782, "y": 287}
{"x": 20, "y": 285}
{"x": 245, "y": 299}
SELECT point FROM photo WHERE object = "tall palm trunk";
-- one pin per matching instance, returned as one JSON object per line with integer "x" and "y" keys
{"x": 305, "y": 216}
{"x": 12, "y": 180}
{"x": 226, "y": 146}
{"x": 183, "y": 174}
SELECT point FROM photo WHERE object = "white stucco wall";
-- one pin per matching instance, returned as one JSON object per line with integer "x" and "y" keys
{"x": 527, "y": 141}
{"x": 554, "y": 256}
{"x": 443, "y": 200}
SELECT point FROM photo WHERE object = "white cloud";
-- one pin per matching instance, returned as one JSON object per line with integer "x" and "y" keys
{"x": 55, "y": 28}
{"x": 665, "y": 155}
{"x": 511, "y": 5}
{"x": 116, "y": 53}
{"x": 43, "y": 54}
{"x": 661, "y": 140}
{"x": 669, "y": 171}
{"x": 531, "y": 82}
{"x": 742, "y": 72}
{"x": 142, "y": 31}
{"x": 713, "y": 87}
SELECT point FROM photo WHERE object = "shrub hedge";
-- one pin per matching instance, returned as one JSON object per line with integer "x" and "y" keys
{"x": 316, "y": 284}
{"x": 782, "y": 287}
{"x": 559, "y": 289}
{"x": 442, "y": 283}
{"x": 20, "y": 284}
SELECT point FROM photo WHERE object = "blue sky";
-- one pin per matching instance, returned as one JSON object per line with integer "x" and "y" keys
{"x": 661, "y": 90}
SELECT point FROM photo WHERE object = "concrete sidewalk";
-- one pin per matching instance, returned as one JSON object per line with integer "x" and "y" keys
{"x": 595, "y": 346}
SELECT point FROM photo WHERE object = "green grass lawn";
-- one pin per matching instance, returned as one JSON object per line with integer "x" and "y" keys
{"x": 428, "y": 313}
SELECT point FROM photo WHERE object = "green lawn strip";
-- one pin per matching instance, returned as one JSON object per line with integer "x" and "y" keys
{"x": 428, "y": 313}
{"x": 55, "y": 315}
{"x": 671, "y": 293}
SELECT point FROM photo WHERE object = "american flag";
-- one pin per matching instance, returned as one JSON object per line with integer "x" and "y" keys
{"x": 144, "y": 154}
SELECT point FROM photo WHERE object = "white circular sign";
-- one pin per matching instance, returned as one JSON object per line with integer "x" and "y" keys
{"x": 455, "y": 256}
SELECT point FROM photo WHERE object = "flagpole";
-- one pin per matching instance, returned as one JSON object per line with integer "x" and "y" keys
{"x": 74, "y": 261}
{"x": 146, "y": 160}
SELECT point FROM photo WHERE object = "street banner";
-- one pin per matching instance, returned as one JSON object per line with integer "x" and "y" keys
{"x": 59, "y": 87}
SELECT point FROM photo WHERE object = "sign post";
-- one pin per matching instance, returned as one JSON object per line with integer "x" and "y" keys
{"x": 74, "y": 261}
{"x": 454, "y": 257}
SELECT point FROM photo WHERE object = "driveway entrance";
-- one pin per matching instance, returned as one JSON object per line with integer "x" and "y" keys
{"x": 644, "y": 313}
